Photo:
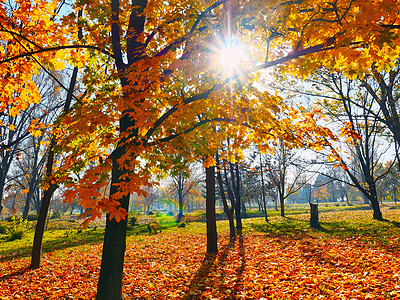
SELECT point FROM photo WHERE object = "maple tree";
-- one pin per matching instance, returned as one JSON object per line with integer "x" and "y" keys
{"x": 149, "y": 73}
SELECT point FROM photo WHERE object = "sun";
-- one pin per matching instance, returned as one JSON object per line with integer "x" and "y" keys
{"x": 229, "y": 58}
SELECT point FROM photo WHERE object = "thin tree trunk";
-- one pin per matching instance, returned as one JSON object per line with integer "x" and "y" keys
{"x": 48, "y": 194}
{"x": 212, "y": 246}
{"x": 44, "y": 208}
{"x": 228, "y": 211}
{"x": 282, "y": 203}
{"x": 27, "y": 205}
{"x": 236, "y": 189}
{"x": 263, "y": 190}
{"x": 180, "y": 204}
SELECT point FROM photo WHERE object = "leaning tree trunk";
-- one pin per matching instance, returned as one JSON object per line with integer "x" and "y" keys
{"x": 376, "y": 209}
{"x": 48, "y": 194}
{"x": 212, "y": 246}
{"x": 44, "y": 209}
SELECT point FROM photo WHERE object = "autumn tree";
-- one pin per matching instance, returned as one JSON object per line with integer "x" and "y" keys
{"x": 277, "y": 167}
{"x": 183, "y": 185}
{"x": 148, "y": 199}
{"x": 362, "y": 132}
{"x": 389, "y": 186}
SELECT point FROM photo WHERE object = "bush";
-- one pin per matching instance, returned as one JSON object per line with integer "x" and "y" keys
{"x": 132, "y": 221}
{"x": 32, "y": 217}
{"x": 170, "y": 213}
{"x": 3, "y": 229}
{"x": 56, "y": 214}
{"x": 16, "y": 234}
{"x": 12, "y": 219}
{"x": 181, "y": 224}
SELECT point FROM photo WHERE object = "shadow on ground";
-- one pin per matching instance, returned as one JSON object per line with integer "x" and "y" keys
{"x": 212, "y": 273}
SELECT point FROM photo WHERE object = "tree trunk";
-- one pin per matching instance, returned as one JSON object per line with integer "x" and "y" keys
{"x": 263, "y": 190}
{"x": 282, "y": 203}
{"x": 314, "y": 219}
{"x": 376, "y": 209}
{"x": 44, "y": 208}
{"x": 228, "y": 211}
{"x": 112, "y": 262}
{"x": 212, "y": 246}
{"x": 238, "y": 205}
{"x": 180, "y": 204}
{"x": 26, "y": 208}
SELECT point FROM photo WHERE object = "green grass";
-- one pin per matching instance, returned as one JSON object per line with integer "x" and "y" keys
{"x": 65, "y": 233}
{"x": 350, "y": 224}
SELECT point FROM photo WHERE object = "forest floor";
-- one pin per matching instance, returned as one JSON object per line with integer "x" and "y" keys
{"x": 351, "y": 257}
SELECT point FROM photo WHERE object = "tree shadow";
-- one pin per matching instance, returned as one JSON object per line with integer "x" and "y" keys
{"x": 240, "y": 270}
{"x": 204, "y": 279}
{"x": 200, "y": 280}
{"x": 16, "y": 273}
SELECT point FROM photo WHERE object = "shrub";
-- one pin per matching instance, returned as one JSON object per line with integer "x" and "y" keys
{"x": 12, "y": 219}
{"x": 132, "y": 221}
{"x": 170, "y": 213}
{"x": 16, "y": 234}
{"x": 3, "y": 229}
{"x": 56, "y": 214}
{"x": 181, "y": 224}
{"x": 32, "y": 217}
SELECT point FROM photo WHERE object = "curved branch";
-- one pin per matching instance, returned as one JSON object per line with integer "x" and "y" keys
{"x": 55, "y": 49}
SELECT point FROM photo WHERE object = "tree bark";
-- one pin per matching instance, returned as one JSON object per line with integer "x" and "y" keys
{"x": 228, "y": 211}
{"x": 377, "y": 215}
{"x": 180, "y": 204}
{"x": 314, "y": 219}
{"x": 112, "y": 262}
{"x": 282, "y": 203}
{"x": 44, "y": 209}
{"x": 263, "y": 190}
{"x": 110, "y": 281}
{"x": 236, "y": 190}
{"x": 212, "y": 246}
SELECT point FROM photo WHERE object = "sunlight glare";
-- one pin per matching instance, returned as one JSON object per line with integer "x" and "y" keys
{"x": 230, "y": 57}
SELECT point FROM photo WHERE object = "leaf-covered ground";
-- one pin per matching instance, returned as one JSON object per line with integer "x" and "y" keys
{"x": 352, "y": 257}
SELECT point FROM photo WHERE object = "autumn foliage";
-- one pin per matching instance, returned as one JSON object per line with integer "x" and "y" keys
{"x": 281, "y": 260}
